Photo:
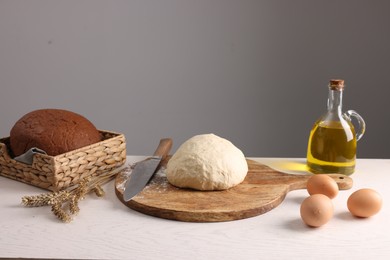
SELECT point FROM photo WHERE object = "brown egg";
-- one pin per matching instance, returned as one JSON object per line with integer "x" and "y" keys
{"x": 364, "y": 203}
{"x": 322, "y": 184}
{"x": 316, "y": 210}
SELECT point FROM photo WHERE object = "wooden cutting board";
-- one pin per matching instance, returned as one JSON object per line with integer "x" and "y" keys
{"x": 262, "y": 190}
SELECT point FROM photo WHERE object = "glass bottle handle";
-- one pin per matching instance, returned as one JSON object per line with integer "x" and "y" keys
{"x": 362, "y": 124}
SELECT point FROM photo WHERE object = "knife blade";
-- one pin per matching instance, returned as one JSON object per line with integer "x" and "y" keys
{"x": 144, "y": 170}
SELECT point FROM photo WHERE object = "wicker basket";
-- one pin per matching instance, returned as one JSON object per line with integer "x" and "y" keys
{"x": 59, "y": 172}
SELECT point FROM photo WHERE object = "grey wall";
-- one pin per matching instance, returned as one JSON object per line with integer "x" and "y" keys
{"x": 254, "y": 72}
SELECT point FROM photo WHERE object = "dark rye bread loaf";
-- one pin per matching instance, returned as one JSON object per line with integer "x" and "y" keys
{"x": 55, "y": 131}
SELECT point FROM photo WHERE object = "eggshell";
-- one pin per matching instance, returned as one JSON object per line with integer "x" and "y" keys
{"x": 322, "y": 184}
{"x": 316, "y": 210}
{"x": 364, "y": 203}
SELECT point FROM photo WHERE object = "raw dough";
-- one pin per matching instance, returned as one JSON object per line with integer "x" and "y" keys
{"x": 207, "y": 162}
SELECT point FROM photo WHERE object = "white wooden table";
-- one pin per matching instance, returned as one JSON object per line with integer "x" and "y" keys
{"x": 107, "y": 229}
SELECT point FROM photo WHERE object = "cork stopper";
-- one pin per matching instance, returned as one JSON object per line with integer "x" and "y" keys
{"x": 336, "y": 84}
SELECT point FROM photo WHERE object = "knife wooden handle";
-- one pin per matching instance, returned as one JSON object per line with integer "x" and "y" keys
{"x": 163, "y": 148}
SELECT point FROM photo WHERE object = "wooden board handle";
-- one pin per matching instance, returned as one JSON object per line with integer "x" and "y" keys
{"x": 163, "y": 148}
{"x": 297, "y": 182}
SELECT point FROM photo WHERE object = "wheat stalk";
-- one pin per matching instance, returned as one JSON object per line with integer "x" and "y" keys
{"x": 65, "y": 204}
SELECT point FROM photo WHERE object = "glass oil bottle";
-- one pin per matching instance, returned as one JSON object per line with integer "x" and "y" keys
{"x": 333, "y": 138}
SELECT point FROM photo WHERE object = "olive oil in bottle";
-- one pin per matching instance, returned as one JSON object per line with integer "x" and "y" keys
{"x": 332, "y": 140}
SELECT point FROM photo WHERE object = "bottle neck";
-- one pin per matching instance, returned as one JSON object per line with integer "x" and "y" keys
{"x": 335, "y": 99}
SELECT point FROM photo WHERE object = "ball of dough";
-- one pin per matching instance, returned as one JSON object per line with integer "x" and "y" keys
{"x": 207, "y": 162}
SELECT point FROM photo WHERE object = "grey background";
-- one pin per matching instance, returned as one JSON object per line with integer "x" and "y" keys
{"x": 254, "y": 72}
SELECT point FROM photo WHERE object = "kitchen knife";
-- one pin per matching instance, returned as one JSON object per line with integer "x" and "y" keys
{"x": 144, "y": 170}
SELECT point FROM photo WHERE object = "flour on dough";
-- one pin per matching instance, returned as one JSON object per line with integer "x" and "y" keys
{"x": 207, "y": 162}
